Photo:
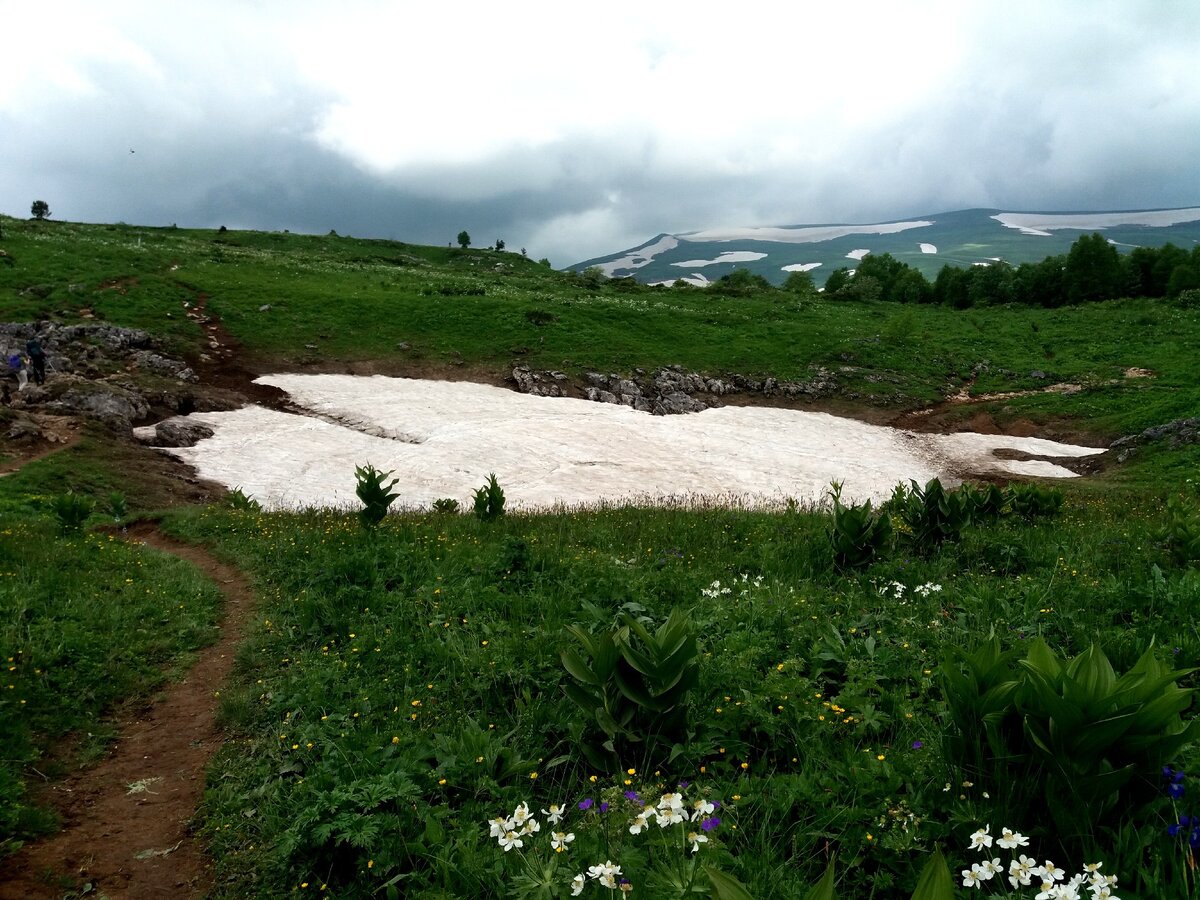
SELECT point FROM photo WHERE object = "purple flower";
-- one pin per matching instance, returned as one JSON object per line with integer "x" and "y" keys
{"x": 585, "y": 803}
{"x": 1173, "y": 830}
{"x": 603, "y": 807}
{"x": 710, "y": 823}
{"x": 1174, "y": 790}
{"x": 917, "y": 745}
{"x": 1194, "y": 838}
{"x": 683, "y": 785}
{"x": 633, "y": 797}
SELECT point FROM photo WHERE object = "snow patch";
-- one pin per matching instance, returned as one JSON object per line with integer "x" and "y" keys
{"x": 800, "y": 267}
{"x": 927, "y": 248}
{"x": 566, "y": 451}
{"x": 857, "y": 254}
{"x": 1044, "y": 223}
{"x": 729, "y": 256}
{"x": 696, "y": 279}
{"x": 642, "y": 256}
{"x": 807, "y": 234}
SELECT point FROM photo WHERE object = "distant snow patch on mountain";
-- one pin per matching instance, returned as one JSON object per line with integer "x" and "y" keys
{"x": 1043, "y": 223}
{"x": 641, "y": 256}
{"x": 800, "y": 267}
{"x": 802, "y": 235}
{"x": 927, "y": 248}
{"x": 857, "y": 254}
{"x": 696, "y": 279}
{"x": 729, "y": 256}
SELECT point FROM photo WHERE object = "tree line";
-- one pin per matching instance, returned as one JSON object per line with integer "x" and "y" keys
{"x": 1091, "y": 270}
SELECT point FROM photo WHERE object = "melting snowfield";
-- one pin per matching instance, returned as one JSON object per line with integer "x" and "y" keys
{"x": 442, "y": 439}
{"x": 1043, "y": 223}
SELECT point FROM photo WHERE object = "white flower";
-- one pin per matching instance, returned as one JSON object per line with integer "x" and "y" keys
{"x": 670, "y": 810}
{"x": 521, "y": 813}
{"x": 559, "y": 840}
{"x": 606, "y": 873}
{"x": 989, "y": 867}
{"x": 701, "y": 809}
{"x": 531, "y": 827}
{"x": 697, "y": 839}
{"x": 1010, "y": 840}
{"x": 577, "y": 884}
{"x": 498, "y": 826}
{"x": 1050, "y": 872}
{"x": 981, "y": 838}
{"x": 638, "y": 824}
{"x": 555, "y": 813}
{"x": 1020, "y": 871}
{"x": 971, "y": 877}
{"x": 511, "y": 839}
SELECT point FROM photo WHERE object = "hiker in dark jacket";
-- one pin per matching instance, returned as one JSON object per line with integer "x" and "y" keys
{"x": 37, "y": 356}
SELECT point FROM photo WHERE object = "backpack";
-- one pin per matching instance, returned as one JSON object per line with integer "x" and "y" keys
{"x": 34, "y": 349}
{"x": 14, "y": 362}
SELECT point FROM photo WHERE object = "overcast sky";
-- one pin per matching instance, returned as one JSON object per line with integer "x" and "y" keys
{"x": 579, "y": 129}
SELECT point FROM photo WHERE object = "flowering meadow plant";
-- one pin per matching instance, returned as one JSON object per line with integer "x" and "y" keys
{"x": 1050, "y": 881}
{"x": 672, "y": 830}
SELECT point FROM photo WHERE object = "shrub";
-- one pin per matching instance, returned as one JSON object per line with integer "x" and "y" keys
{"x": 1031, "y": 501}
{"x": 489, "y": 500}
{"x": 72, "y": 511}
{"x": 374, "y": 494}
{"x": 857, "y": 534}
{"x": 238, "y": 499}
{"x": 932, "y": 514}
{"x": 445, "y": 505}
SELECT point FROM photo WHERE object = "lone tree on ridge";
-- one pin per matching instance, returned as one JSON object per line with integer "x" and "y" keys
{"x": 464, "y": 240}
{"x": 40, "y": 209}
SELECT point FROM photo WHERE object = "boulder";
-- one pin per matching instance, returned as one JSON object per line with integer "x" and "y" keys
{"x": 180, "y": 432}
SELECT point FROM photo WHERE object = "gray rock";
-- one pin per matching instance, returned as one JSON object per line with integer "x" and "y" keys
{"x": 180, "y": 433}
{"x": 109, "y": 404}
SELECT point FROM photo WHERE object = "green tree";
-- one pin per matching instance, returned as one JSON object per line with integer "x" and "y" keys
{"x": 838, "y": 281}
{"x": 1093, "y": 270}
{"x": 40, "y": 209}
{"x": 464, "y": 239}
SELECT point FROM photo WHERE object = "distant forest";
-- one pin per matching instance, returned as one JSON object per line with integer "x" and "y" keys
{"x": 1091, "y": 270}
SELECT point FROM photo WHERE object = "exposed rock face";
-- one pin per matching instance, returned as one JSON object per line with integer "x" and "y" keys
{"x": 178, "y": 432}
{"x": 540, "y": 384}
{"x": 670, "y": 390}
{"x": 110, "y": 404}
{"x": 1177, "y": 432}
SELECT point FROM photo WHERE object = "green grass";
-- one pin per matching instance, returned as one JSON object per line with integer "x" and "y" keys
{"x": 420, "y": 666}
{"x": 403, "y": 687}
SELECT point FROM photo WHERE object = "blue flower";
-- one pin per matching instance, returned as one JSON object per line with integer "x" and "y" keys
{"x": 585, "y": 803}
{"x": 710, "y": 823}
{"x": 633, "y": 797}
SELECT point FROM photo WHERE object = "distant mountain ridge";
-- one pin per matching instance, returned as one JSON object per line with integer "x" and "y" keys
{"x": 961, "y": 238}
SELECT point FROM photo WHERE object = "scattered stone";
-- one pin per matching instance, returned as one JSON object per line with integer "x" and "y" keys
{"x": 266, "y": 307}
{"x": 1177, "y": 432}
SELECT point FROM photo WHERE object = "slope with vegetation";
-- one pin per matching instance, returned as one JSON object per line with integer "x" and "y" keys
{"x": 845, "y": 685}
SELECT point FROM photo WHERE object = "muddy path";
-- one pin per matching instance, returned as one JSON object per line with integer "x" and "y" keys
{"x": 128, "y": 820}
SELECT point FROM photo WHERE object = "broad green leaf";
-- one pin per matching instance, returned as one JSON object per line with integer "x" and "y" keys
{"x": 578, "y": 668}
{"x": 935, "y": 881}
{"x": 725, "y": 886}
{"x": 823, "y": 889}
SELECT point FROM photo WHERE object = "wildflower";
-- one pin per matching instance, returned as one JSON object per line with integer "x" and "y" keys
{"x": 697, "y": 839}
{"x": 521, "y": 813}
{"x": 511, "y": 839}
{"x": 559, "y": 841}
{"x": 633, "y": 797}
{"x": 702, "y": 808}
{"x": 981, "y": 838}
{"x": 1010, "y": 840}
{"x": 606, "y": 873}
{"x": 638, "y": 824}
{"x": 498, "y": 826}
{"x": 1020, "y": 871}
{"x": 989, "y": 868}
{"x": 604, "y": 806}
{"x": 1050, "y": 872}
{"x": 585, "y": 803}
{"x": 971, "y": 877}
{"x": 625, "y": 886}
{"x": 917, "y": 745}
{"x": 710, "y": 823}
{"x": 555, "y": 813}
{"x": 577, "y": 884}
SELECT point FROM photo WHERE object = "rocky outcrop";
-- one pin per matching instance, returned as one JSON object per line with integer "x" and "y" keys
{"x": 671, "y": 390}
{"x": 1176, "y": 432}
{"x": 177, "y": 432}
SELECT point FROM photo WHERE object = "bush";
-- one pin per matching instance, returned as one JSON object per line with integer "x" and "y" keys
{"x": 445, "y": 505}
{"x": 489, "y": 501}
{"x": 857, "y": 534}
{"x": 932, "y": 515}
{"x": 72, "y": 511}
{"x": 374, "y": 494}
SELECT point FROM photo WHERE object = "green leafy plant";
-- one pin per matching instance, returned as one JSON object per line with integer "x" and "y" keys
{"x": 932, "y": 515}
{"x": 1181, "y": 533}
{"x": 1068, "y": 737}
{"x": 116, "y": 506}
{"x": 986, "y": 503}
{"x": 857, "y": 534}
{"x": 72, "y": 511}
{"x": 445, "y": 505}
{"x": 489, "y": 500}
{"x": 934, "y": 883}
{"x": 238, "y": 499}
{"x": 1031, "y": 501}
{"x": 376, "y": 496}
{"x": 633, "y": 685}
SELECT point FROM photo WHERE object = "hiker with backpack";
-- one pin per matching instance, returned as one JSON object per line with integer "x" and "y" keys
{"x": 17, "y": 370}
{"x": 37, "y": 356}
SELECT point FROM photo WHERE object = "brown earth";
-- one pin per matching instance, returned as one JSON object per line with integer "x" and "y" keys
{"x": 127, "y": 829}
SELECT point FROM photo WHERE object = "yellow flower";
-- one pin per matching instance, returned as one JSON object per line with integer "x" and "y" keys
{"x": 881, "y": 757}
{"x": 370, "y": 863}
{"x": 533, "y": 776}
{"x": 395, "y": 739}
{"x": 631, "y": 771}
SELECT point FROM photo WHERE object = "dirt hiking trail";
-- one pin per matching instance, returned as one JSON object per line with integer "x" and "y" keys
{"x": 127, "y": 819}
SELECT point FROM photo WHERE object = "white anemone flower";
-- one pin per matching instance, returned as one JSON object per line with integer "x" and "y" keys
{"x": 511, "y": 839}
{"x": 559, "y": 840}
{"x": 555, "y": 813}
{"x": 971, "y": 877}
{"x": 1021, "y": 871}
{"x": 1011, "y": 840}
{"x": 981, "y": 838}
{"x": 577, "y": 885}
{"x": 697, "y": 839}
{"x": 702, "y": 809}
{"x": 498, "y": 826}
